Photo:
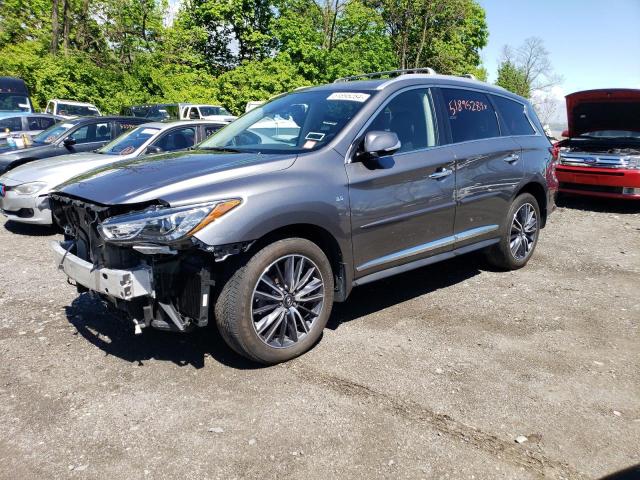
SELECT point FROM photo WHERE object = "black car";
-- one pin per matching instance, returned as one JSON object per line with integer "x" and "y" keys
{"x": 70, "y": 136}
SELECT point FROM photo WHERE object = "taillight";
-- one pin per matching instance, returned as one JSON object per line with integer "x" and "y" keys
{"x": 555, "y": 152}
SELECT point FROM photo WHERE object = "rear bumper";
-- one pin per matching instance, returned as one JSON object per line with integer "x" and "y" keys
{"x": 122, "y": 284}
{"x": 599, "y": 182}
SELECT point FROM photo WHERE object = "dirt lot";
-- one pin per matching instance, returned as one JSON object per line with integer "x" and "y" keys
{"x": 432, "y": 374}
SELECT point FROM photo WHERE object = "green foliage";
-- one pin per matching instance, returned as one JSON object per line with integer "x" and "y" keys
{"x": 513, "y": 79}
{"x": 120, "y": 52}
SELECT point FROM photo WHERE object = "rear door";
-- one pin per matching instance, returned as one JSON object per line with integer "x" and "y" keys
{"x": 404, "y": 211}
{"x": 488, "y": 165}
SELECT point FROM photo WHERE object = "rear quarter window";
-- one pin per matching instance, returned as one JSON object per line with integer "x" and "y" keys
{"x": 470, "y": 115}
{"x": 513, "y": 116}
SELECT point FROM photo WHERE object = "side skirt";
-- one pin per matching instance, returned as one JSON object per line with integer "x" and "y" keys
{"x": 372, "y": 277}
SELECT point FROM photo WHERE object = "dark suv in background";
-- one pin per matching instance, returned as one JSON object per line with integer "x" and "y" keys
{"x": 269, "y": 221}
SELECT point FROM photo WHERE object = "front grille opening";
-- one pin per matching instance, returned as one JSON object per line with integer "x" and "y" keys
{"x": 590, "y": 188}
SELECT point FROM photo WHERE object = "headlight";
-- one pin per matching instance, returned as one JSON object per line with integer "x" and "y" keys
{"x": 29, "y": 188}
{"x": 164, "y": 224}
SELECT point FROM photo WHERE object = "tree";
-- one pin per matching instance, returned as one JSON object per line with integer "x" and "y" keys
{"x": 533, "y": 59}
{"x": 513, "y": 79}
{"x": 446, "y": 35}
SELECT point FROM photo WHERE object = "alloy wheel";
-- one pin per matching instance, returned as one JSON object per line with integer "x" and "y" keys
{"x": 287, "y": 300}
{"x": 524, "y": 230}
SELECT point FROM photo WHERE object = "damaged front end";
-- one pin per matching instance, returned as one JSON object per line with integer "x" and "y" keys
{"x": 110, "y": 250}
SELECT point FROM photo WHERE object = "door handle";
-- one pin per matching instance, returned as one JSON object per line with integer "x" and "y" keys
{"x": 513, "y": 158}
{"x": 440, "y": 173}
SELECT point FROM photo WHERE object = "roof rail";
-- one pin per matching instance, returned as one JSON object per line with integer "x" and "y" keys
{"x": 469, "y": 75}
{"x": 388, "y": 73}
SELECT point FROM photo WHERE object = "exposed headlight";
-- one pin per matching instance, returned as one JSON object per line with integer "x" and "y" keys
{"x": 29, "y": 188}
{"x": 164, "y": 224}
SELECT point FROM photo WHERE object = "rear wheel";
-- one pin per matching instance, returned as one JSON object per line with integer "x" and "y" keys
{"x": 275, "y": 307}
{"x": 519, "y": 236}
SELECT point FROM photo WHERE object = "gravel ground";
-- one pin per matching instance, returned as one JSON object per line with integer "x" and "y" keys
{"x": 432, "y": 374}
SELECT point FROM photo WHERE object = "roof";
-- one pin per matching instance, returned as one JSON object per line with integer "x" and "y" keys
{"x": 177, "y": 123}
{"x": 72, "y": 102}
{"x": 409, "y": 80}
{"x": 202, "y": 105}
{"x": 31, "y": 114}
{"x": 13, "y": 84}
{"x": 106, "y": 118}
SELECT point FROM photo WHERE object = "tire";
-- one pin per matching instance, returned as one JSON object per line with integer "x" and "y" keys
{"x": 502, "y": 254}
{"x": 262, "y": 318}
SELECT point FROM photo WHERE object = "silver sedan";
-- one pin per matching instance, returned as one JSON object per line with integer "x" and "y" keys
{"x": 24, "y": 190}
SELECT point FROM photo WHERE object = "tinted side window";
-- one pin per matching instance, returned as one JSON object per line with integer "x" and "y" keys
{"x": 177, "y": 140}
{"x": 470, "y": 114}
{"x": 410, "y": 116}
{"x": 211, "y": 129}
{"x": 13, "y": 124}
{"x": 40, "y": 123}
{"x": 513, "y": 116}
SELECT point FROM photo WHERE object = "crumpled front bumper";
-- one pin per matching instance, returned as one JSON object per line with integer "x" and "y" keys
{"x": 123, "y": 284}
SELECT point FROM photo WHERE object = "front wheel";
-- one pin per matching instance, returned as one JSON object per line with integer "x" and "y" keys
{"x": 519, "y": 235}
{"x": 276, "y": 306}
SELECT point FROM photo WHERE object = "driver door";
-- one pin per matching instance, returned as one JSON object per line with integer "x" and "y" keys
{"x": 404, "y": 211}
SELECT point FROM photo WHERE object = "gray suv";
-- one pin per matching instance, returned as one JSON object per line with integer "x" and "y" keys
{"x": 264, "y": 225}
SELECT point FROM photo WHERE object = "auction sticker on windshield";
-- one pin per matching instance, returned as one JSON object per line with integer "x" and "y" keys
{"x": 349, "y": 96}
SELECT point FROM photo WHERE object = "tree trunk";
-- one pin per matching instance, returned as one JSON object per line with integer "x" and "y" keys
{"x": 54, "y": 27}
{"x": 66, "y": 25}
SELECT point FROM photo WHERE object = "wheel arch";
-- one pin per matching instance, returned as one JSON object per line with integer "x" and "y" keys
{"x": 540, "y": 194}
{"x": 321, "y": 237}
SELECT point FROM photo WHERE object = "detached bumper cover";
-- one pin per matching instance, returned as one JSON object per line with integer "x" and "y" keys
{"x": 123, "y": 284}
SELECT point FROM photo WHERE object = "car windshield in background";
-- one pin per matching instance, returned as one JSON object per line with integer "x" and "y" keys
{"x": 206, "y": 111}
{"x": 76, "y": 110}
{"x": 129, "y": 142}
{"x": 155, "y": 112}
{"x": 10, "y": 102}
{"x": 612, "y": 134}
{"x": 51, "y": 134}
{"x": 295, "y": 123}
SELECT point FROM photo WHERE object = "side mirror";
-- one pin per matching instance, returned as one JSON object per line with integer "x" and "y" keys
{"x": 565, "y": 133}
{"x": 69, "y": 142}
{"x": 380, "y": 143}
{"x": 151, "y": 149}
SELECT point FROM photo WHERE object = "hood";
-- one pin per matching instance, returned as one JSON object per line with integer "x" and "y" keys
{"x": 172, "y": 178}
{"x": 56, "y": 170}
{"x": 612, "y": 109}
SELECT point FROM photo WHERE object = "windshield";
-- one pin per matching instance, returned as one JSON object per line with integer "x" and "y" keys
{"x": 206, "y": 111}
{"x": 154, "y": 112}
{"x": 612, "y": 134}
{"x": 295, "y": 123}
{"x": 11, "y": 102}
{"x": 129, "y": 142}
{"x": 54, "y": 132}
{"x": 76, "y": 110}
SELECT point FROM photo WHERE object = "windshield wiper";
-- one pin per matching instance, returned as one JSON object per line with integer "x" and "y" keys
{"x": 221, "y": 149}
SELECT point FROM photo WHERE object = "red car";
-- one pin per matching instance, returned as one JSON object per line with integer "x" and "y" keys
{"x": 601, "y": 156}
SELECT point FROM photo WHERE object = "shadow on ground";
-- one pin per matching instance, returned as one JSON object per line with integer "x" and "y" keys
{"x": 604, "y": 205}
{"x": 30, "y": 230}
{"x": 113, "y": 333}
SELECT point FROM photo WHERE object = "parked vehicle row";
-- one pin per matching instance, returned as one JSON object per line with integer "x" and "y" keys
{"x": 260, "y": 226}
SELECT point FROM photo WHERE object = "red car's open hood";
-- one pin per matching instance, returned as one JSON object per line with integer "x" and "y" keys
{"x": 611, "y": 109}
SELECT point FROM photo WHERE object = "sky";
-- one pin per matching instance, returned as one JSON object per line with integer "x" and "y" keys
{"x": 591, "y": 43}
